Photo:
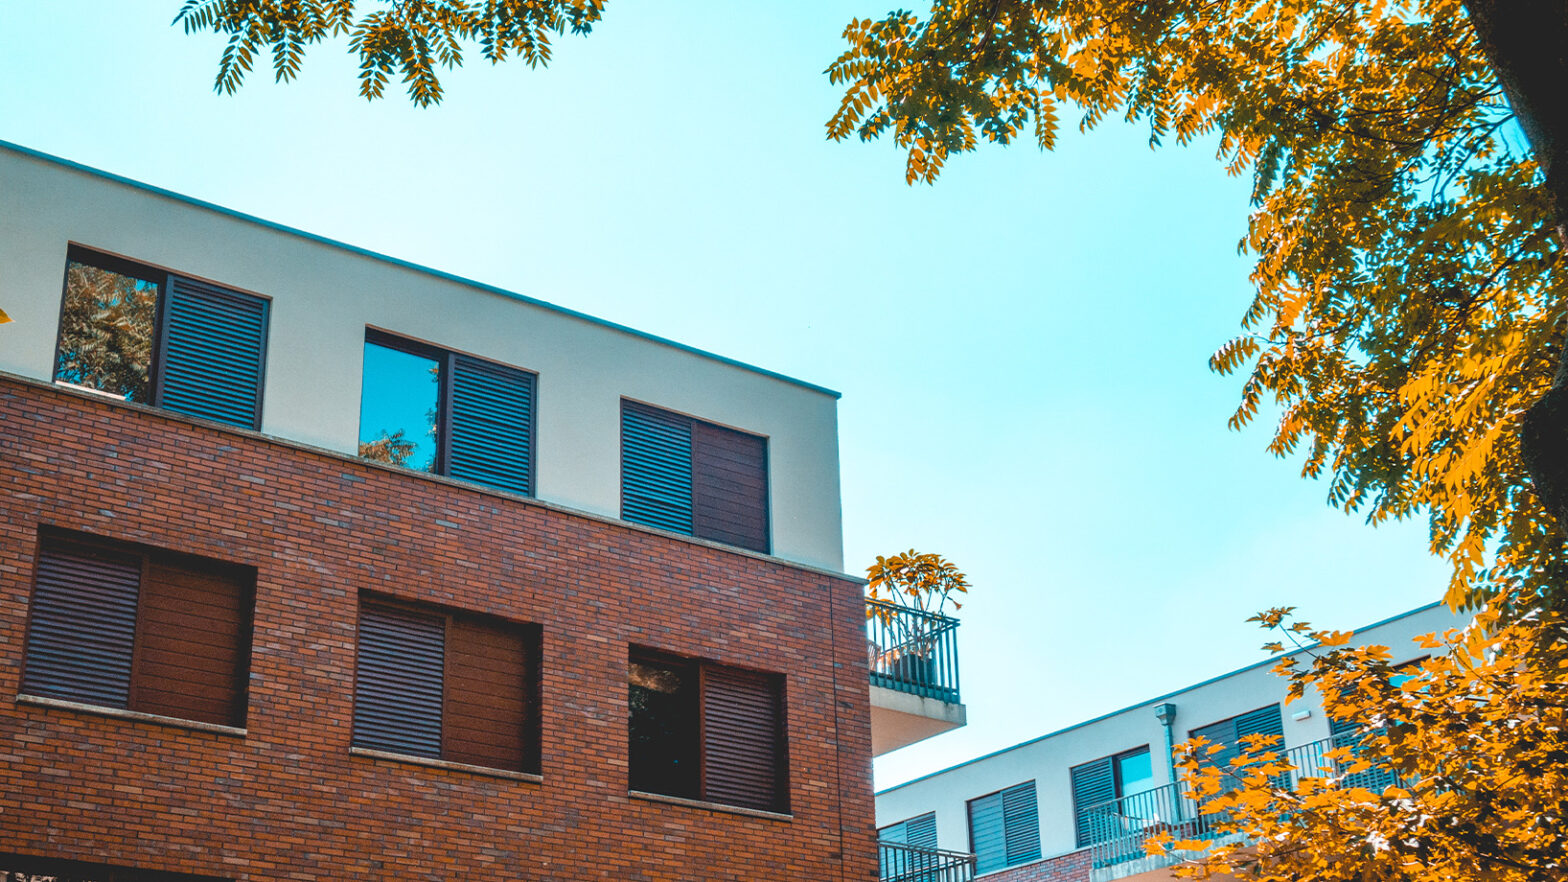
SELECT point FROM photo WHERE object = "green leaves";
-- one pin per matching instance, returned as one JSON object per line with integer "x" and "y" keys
{"x": 409, "y": 38}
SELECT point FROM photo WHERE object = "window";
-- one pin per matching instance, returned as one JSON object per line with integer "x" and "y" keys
{"x": 1348, "y": 733}
{"x": 449, "y": 414}
{"x": 688, "y": 476}
{"x": 1119, "y": 777}
{"x": 147, "y": 335}
{"x": 1004, "y": 828}
{"x": 906, "y": 863}
{"x": 1228, "y": 733}
{"x": 144, "y": 630}
{"x": 699, "y": 730}
{"x": 447, "y": 685}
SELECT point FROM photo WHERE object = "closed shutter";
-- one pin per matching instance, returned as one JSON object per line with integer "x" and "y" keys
{"x": 82, "y": 625}
{"x": 486, "y": 714}
{"x": 1021, "y": 817}
{"x": 1093, "y": 784}
{"x": 194, "y": 641}
{"x": 1343, "y": 731}
{"x": 1263, "y": 721}
{"x": 1346, "y": 733}
{"x": 729, "y": 486}
{"x": 742, "y": 750}
{"x": 987, "y": 833}
{"x": 397, "y": 686}
{"x": 656, "y": 468}
{"x": 214, "y": 346}
{"x": 492, "y": 425}
{"x": 1222, "y": 733}
{"x": 921, "y": 831}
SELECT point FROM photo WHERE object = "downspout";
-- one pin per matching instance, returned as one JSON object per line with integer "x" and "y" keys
{"x": 1166, "y": 714}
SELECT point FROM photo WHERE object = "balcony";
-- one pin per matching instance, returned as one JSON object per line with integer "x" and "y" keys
{"x": 1119, "y": 829}
{"x": 900, "y": 862}
{"x": 913, "y": 658}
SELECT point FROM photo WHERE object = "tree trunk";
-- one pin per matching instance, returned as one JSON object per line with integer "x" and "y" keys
{"x": 1526, "y": 42}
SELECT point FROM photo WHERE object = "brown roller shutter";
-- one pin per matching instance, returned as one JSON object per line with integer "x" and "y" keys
{"x": 743, "y": 755}
{"x": 82, "y": 624}
{"x": 193, "y": 641}
{"x": 729, "y": 486}
{"x": 488, "y": 696}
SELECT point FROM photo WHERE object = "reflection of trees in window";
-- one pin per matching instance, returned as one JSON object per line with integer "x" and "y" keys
{"x": 389, "y": 447}
{"x": 404, "y": 411}
{"x": 106, "y": 332}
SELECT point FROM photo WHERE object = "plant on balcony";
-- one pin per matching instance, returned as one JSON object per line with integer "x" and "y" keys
{"x": 911, "y": 593}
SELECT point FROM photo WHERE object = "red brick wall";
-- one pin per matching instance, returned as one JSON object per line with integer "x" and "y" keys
{"x": 287, "y": 800}
{"x": 1071, "y": 867}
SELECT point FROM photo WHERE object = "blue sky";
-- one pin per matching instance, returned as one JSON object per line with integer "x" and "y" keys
{"x": 1022, "y": 348}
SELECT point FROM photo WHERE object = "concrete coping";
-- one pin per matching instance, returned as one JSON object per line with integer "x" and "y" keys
{"x": 711, "y": 806}
{"x": 124, "y": 714}
{"x": 392, "y": 756}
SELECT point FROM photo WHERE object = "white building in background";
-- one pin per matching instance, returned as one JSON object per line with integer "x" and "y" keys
{"x": 1071, "y": 805}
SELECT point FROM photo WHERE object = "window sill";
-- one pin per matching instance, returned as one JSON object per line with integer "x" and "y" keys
{"x": 711, "y": 806}
{"x": 390, "y": 756}
{"x": 135, "y": 716}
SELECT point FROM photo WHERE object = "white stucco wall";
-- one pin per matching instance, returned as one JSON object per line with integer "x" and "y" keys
{"x": 1047, "y": 760}
{"x": 325, "y": 295}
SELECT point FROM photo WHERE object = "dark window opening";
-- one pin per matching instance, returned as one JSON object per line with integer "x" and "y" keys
{"x": 447, "y": 685}
{"x": 699, "y": 730}
{"x": 663, "y": 729}
{"x": 431, "y": 410}
{"x": 149, "y": 336}
{"x": 140, "y": 629}
{"x": 689, "y": 476}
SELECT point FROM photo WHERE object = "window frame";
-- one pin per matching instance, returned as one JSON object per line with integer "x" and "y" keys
{"x": 444, "y": 359}
{"x": 69, "y": 542}
{"x": 530, "y": 634}
{"x": 700, "y": 668}
{"x": 693, "y": 422}
{"x": 161, "y": 277}
{"x": 1085, "y": 838}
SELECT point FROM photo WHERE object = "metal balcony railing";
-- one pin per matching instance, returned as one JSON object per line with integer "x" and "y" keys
{"x": 1312, "y": 761}
{"x": 912, "y": 651}
{"x": 1119, "y": 829}
{"x": 899, "y": 862}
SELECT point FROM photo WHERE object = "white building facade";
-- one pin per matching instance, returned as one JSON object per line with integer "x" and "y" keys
{"x": 1036, "y": 811}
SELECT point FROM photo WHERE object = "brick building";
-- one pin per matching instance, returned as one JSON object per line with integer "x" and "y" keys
{"x": 317, "y": 564}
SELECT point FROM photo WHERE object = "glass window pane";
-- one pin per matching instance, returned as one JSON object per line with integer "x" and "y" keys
{"x": 399, "y": 407}
{"x": 106, "y": 332}
{"x": 663, "y": 728}
{"x": 1135, "y": 771}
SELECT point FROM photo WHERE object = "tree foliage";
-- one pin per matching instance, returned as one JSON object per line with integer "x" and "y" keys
{"x": 411, "y": 38}
{"x": 1459, "y": 772}
{"x": 1410, "y": 294}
